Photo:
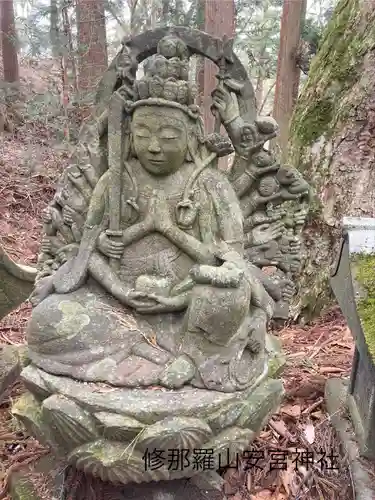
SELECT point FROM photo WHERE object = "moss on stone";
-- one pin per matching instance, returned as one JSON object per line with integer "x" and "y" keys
{"x": 364, "y": 271}
{"x": 23, "y": 489}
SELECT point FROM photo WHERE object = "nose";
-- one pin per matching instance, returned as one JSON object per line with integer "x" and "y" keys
{"x": 154, "y": 146}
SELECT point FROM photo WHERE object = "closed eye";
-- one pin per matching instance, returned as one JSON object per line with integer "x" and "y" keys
{"x": 169, "y": 133}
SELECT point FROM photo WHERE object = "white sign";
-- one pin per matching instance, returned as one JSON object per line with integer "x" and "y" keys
{"x": 361, "y": 232}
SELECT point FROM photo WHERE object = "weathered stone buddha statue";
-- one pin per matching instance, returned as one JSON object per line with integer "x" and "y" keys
{"x": 149, "y": 327}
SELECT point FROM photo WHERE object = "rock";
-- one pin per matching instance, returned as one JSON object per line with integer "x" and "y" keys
{"x": 16, "y": 283}
{"x": 10, "y": 368}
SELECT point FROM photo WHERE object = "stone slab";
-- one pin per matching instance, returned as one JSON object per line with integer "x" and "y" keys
{"x": 336, "y": 399}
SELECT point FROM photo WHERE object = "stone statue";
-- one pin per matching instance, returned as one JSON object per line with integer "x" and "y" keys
{"x": 149, "y": 327}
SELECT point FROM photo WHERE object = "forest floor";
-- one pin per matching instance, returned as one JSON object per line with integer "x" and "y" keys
{"x": 297, "y": 454}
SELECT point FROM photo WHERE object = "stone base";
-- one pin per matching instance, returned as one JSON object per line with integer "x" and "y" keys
{"x": 143, "y": 435}
{"x": 82, "y": 487}
{"x": 336, "y": 395}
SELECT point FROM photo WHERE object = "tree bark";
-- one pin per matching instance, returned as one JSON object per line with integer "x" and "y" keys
{"x": 332, "y": 143}
{"x": 288, "y": 73}
{"x": 92, "y": 51}
{"x": 54, "y": 28}
{"x": 9, "y": 41}
{"x": 217, "y": 19}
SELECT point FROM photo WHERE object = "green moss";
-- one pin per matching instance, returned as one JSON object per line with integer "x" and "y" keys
{"x": 23, "y": 489}
{"x": 333, "y": 72}
{"x": 276, "y": 358}
{"x": 364, "y": 274}
{"x": 320, "y": 115}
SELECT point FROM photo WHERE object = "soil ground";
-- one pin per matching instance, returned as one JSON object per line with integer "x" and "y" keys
{"x": 297, "y": 454}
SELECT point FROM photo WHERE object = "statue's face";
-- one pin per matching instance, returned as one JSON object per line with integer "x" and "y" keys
{"x": 160, "y": 138}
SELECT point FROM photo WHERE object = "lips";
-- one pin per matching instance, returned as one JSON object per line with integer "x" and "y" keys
{"x": 154, "y": 160}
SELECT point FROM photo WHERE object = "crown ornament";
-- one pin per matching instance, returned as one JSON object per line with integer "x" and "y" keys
{"x": 166, "y": 79}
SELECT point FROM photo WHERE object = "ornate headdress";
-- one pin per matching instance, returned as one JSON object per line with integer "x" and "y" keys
{"x": 166, "y": 80}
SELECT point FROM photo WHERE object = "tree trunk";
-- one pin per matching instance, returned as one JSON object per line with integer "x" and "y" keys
{"x": 288, "y": 73}
{"x": 54, "y": 28}
{"x": 332, "y": 143}
{"x": 217, "y": 19}
{"x": 9, "y": 41}
{"x": 92, "y": 49}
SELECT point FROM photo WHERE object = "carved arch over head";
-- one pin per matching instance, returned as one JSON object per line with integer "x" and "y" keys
{"x": 200, "y": 43}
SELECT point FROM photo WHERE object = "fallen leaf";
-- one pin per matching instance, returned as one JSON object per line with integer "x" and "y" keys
{"x": 331, "y": 369}
{"x": 309, "y": 433}
{"x": 279, "y": 426}
{"x": 293, "y": 411}
{"x": 265, "y": 434}
{"x": 318, "y": 415}
{"x": 262, "y": 495}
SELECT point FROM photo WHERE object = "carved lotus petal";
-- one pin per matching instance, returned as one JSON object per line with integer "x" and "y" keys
{"x": 114, "y": 462}
{"x": 28, "y": 411}
{"x": 70, "y": 424}
{"x": 229, "y": 443}
{"x": 118, "y": 427}
{"x": 175, "y": 433}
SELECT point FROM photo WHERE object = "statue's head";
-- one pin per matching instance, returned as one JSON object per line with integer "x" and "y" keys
{"x": 165, "y": 123}
{"x": 160, "y": 138}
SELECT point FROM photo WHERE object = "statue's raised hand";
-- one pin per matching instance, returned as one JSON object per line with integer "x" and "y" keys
{"x": 225, "y": 103}
{"x": 267, "y": 232}
{"x": 110, "y": 248}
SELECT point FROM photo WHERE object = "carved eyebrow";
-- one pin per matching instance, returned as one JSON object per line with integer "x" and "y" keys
{"x": 143, "y": 125}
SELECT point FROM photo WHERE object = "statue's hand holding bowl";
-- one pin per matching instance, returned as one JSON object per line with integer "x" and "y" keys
{"x": 110, "y": 248}
{"x": 150, "y": 303}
